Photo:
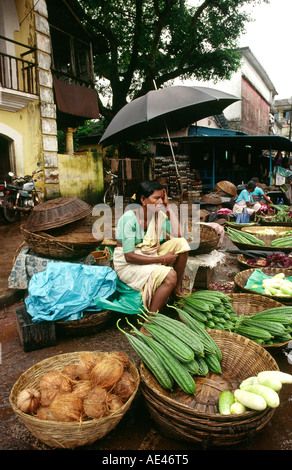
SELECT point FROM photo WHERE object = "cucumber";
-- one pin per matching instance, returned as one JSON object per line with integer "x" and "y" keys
{"x": 269, "y": 395}
{"x": 250, "y": 400}
{"x": 226, "y": 399}
{"x": 283, "y": 377}
{"x": 237, "y": 408}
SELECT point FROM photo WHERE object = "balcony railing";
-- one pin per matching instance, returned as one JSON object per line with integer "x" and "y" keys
{"x": 17, "y": 72}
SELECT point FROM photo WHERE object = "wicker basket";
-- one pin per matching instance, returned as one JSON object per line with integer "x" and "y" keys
{"x": 247, "y": 304}
{"x": 243, "y": 264}
{"x": 89, "y": 324}
{"x": 241, "y": 279}
{"x": 265, "y": 238}
{"x": 73, "y": 245}
{"x": 267, "y": 221}
{"x": 225, "y": 187}
{"x": 239, "y": 226}
{"x": 211, "y": 198}
{"x": 209, "y": 241}
{"x": 196, "y": 418}
{"x": 66, "y": 435}
{"x": 56, "y": 213}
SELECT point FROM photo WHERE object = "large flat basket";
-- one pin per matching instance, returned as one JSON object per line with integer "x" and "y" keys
{"x": 195, "y": 418}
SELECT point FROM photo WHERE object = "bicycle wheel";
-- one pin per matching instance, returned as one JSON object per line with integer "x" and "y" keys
{"x": 110, "y": 195}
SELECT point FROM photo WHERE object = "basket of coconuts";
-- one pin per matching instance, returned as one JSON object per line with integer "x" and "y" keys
{"x": 74, "y": 399}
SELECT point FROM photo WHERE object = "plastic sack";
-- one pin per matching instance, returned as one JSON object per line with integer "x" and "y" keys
{"x": 255, "y": 281}
{"x": 124, "y": 300}
{"x": 64, "y": 290}
{"x": 243, "y": 217}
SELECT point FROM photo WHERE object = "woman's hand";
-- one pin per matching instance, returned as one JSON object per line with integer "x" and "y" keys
{"x": 170, "y": 258}
{"x": 164, "y": 197}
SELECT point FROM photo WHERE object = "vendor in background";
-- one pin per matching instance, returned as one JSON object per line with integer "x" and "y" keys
{"x": 258, "y": 194}
{"x": 245, "y": 200}
{"x": 143, "y": 259}
{"x": 288, "y": 193}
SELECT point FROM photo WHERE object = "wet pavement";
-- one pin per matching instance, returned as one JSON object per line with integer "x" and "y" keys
{"x": 137, "y": 431}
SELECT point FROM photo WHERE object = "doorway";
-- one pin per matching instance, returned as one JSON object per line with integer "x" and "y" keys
{"x": 5, "y": 166}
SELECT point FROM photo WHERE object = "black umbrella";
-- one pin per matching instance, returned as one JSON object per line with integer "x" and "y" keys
{"x": 170, "y": 109}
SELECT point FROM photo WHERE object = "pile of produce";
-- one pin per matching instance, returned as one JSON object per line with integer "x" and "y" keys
{"x": 213, "y": 310}
{"x": 274, "y": 260}
{"x": 276, "y": 285}
{"x": 238, "y": 236}
{"x": 282, "y": 242}
{"x": 254, "y": 393}
{"x": 175, "y": 352}
{"x": 282, "y": 214}
{"x": 96, "y": 386}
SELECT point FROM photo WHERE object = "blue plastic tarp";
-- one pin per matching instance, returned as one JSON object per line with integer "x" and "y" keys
{"x": 125, "y": 300}
{"x": 64, "y": 290}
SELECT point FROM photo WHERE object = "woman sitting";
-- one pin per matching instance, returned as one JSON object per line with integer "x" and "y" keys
{"x": 143, "y": 259}
{"x": 245, "y": 200}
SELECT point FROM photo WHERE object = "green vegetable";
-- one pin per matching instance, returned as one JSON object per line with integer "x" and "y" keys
{"x": 269, "y": 395}
{"x": 249, "y": 381}
{"x": 271, "y": 383}
{"x": 208, "y": 342}
{"x": 171, "y": 342}
{"x": 243, "y": 237}
{"x": 213, "y": 363}
{"x": 250, "y": 400}
{"x": 174, "y": 367}
{"x": 226, "y": 400}
{"x": 203, "y": 366}
{"x": 181, "y": 330}
{"x": 253, "y": 332}
{"x": 283, "y": 377}
{"x": 151, "y": 360}
{"x": 237, "y": 408}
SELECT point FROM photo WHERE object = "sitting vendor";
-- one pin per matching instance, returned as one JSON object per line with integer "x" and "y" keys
{"x": 258, "y": 194}
{"x": 245, "y": 200}
{"x": 143, "y": 259}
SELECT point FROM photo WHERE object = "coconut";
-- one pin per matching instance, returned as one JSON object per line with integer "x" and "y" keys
{"x": 52, "y": 384}
{"x": 85, "y": 365}
{"x": 67, "y": 407}
{"x": 121, "y": 356}
{"x": 44, "y": 413}
{"x": 28, "y": 400}
{"x": 126, "y": 386}
{"x": 94, "y": 404}
{"x": 107, "y": 372}
{"x": 82, "y": 388}
{"x": 70, "y": 371}
{"x": 113, "y": 403}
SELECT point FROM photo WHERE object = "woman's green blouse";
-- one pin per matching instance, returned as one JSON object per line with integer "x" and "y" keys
{"x": 131, "y": 234}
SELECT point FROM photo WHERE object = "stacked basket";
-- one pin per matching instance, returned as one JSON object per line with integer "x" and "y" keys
{"x": 208, "y": 241}
{"x": 60, "y": 228}
{"x": 195, "y": 418}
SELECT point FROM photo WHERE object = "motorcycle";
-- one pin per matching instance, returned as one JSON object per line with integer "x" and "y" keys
{"x": 20, "y": 196}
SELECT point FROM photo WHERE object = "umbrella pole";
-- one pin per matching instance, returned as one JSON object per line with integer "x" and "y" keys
{"x": 173, "y": 156}
{"x": 172, "y": 153}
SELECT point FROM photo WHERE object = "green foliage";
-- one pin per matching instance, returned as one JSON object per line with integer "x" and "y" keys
{"x": 161, "y": 40}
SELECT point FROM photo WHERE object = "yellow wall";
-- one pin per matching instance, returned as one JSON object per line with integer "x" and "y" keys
{"x": 81, "y": 175}
{"x": 24, "y": 125}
